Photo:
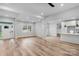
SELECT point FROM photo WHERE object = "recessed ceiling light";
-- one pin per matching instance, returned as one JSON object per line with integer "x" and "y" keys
{"x": 73, "y": 18}
{"x": 39, "y": 16}
{"x": 42, "y": 13}
{"x": 7, "y": 15}
{"x": 61, "y": 5}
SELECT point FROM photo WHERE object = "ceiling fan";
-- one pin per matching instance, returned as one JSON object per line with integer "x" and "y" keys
{"x": 51, "y": 4}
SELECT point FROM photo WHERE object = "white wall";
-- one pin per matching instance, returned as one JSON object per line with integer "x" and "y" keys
{"x": 46, "y": 28}
{"x": 19, "y": 29}
{"x": 40, "y": 28}
{"x": 53, "y": 29}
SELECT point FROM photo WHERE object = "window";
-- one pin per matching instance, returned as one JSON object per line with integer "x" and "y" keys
{"x": 25, "y": 27}
{"x": 29, "y": 28}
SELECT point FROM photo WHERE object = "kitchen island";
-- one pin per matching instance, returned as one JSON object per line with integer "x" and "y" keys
{"x": 72, "y": 38}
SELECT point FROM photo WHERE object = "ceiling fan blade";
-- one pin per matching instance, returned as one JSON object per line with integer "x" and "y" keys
{"x": 52, "y": 5}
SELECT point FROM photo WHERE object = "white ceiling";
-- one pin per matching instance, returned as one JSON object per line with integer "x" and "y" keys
{"x": 30, "y": 10}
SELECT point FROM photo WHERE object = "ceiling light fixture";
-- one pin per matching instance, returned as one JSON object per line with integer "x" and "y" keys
{"x": 39, "y": 16}
{"x": 42, "y": 13}
{"x": 61, "y": 5}
{"x": 73, "y": 18}
{"x": 7, "y": 15}
{"x": 52, "y": 5}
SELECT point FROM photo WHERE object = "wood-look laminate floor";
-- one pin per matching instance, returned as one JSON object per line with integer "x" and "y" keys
{"x": 35, "y": 46}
